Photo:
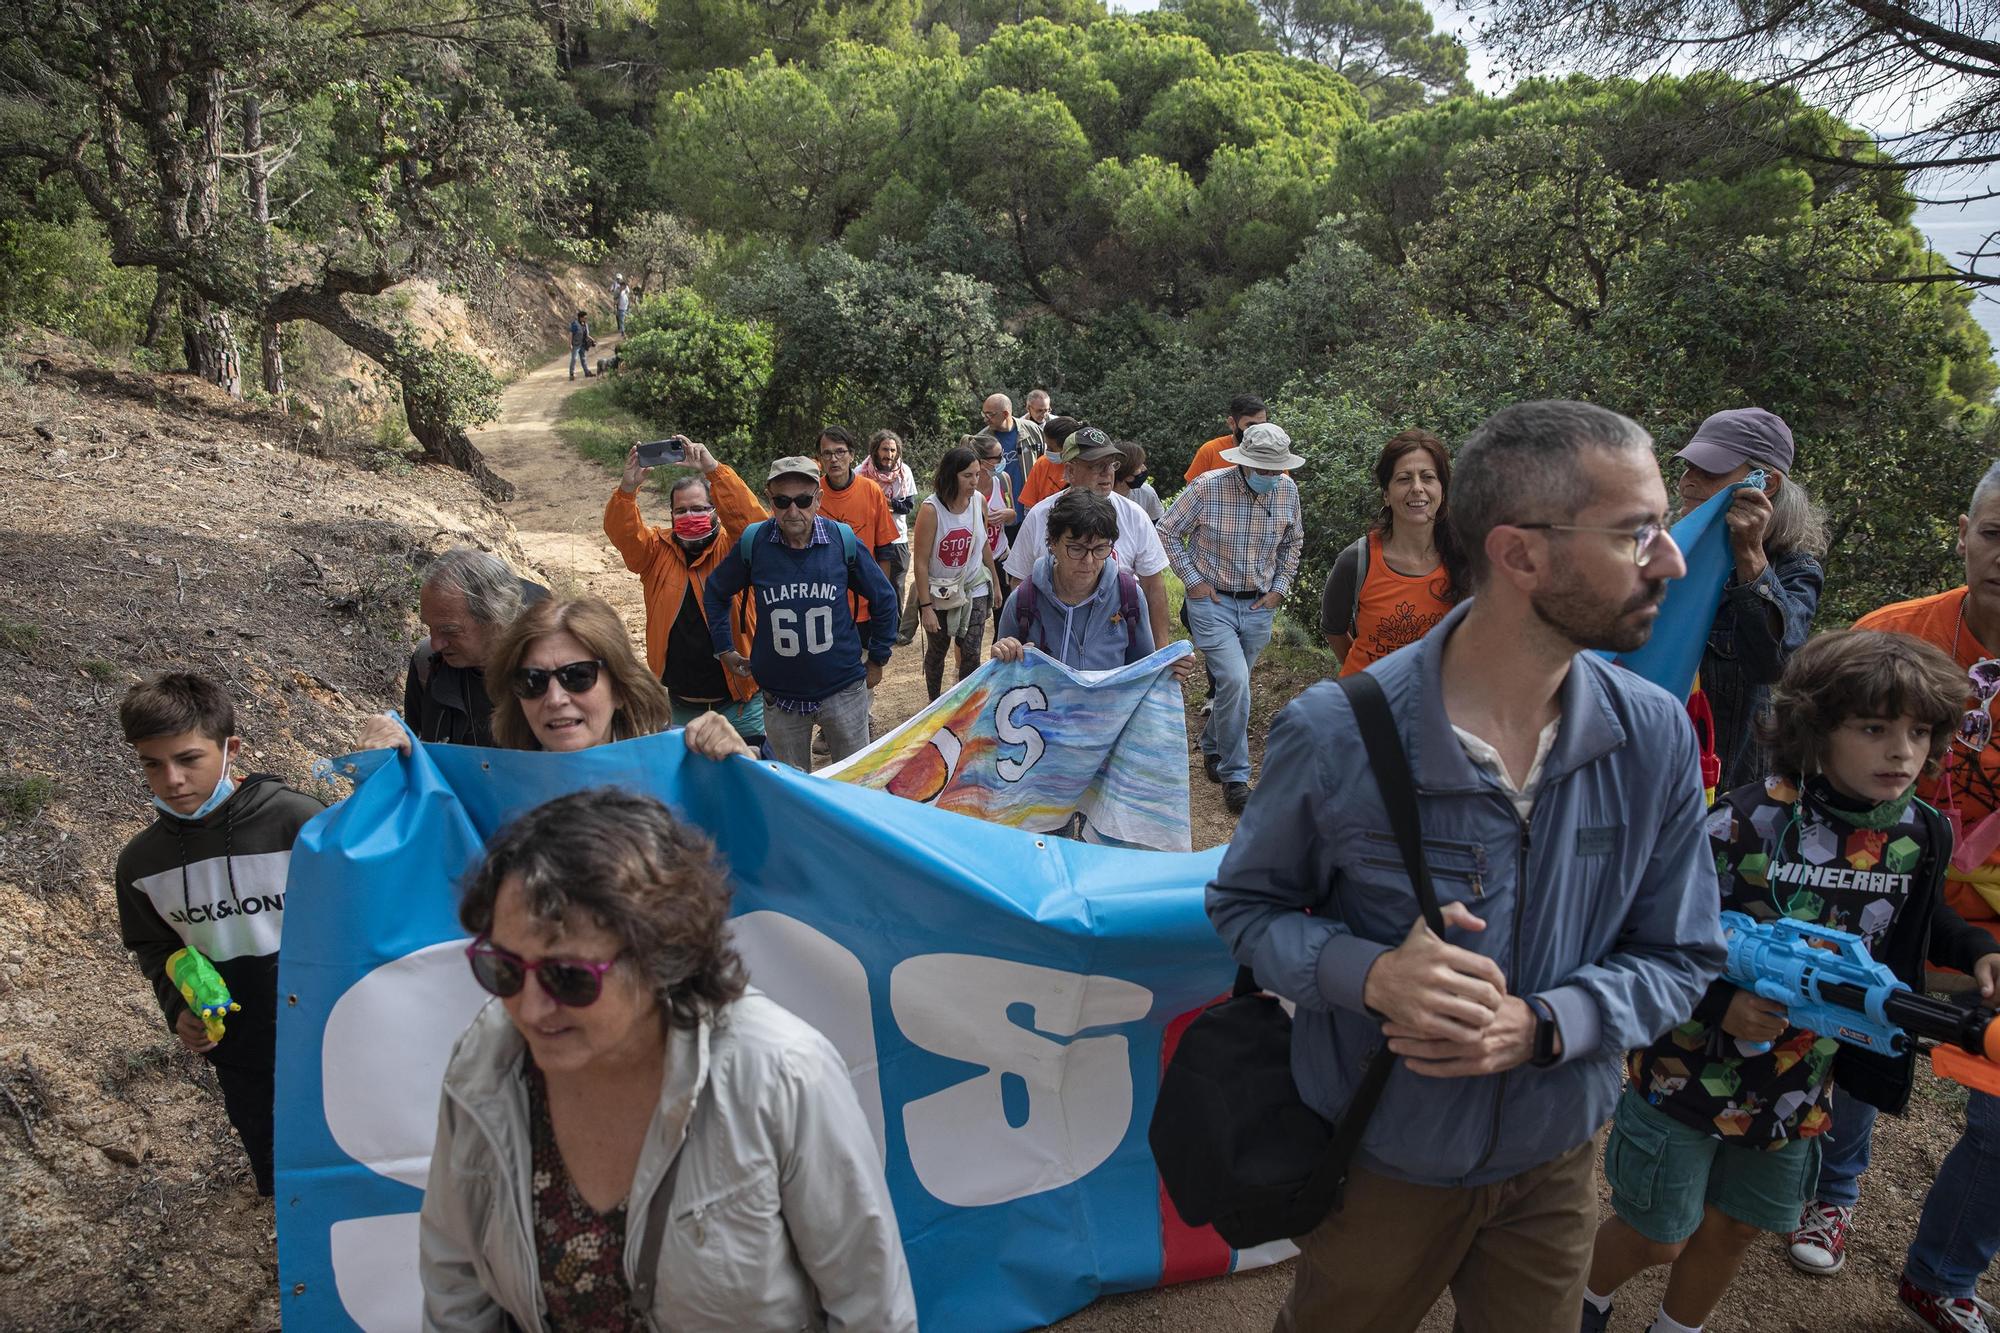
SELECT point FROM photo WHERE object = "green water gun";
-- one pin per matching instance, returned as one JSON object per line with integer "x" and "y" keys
{"x": 206, "y": 993}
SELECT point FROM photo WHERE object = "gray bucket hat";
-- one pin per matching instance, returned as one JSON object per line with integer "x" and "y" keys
{"x": 1265, "y": 446}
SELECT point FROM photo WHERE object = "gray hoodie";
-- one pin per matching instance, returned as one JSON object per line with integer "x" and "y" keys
{"x": 1092, "y": 636}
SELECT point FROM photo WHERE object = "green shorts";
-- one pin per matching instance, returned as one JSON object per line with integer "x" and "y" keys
{"x": 1663, "y": 1173}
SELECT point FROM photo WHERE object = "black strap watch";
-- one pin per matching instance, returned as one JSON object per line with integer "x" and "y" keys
{"x": 1545, "y": 1055}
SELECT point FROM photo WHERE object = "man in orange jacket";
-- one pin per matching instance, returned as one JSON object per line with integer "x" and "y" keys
{"x": 710, "y": 508}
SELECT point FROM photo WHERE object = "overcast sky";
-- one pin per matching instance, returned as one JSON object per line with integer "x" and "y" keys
{"x": 1951, "y": 229}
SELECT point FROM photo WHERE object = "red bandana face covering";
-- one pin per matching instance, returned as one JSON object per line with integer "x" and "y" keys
{"x": 694, "y": 526}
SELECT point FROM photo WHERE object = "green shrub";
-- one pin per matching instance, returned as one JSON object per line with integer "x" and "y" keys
{"x": 687, "y": 367}
{"x": 23, "y": 797}
{"x": 60, "y": 276}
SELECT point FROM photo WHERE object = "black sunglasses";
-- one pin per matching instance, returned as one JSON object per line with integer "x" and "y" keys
{"x": 806, "y": 501}
{"x": 571, "y": 982}
{"x": 574, "y": 677}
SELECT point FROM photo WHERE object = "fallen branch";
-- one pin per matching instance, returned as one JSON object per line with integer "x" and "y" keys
{"x": 21, "y": 1113}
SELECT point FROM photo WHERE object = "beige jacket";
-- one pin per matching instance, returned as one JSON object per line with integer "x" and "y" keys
{"x": 779, "y": 1220}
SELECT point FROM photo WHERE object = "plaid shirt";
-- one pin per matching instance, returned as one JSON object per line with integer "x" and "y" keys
{"x": 1222, "y": 533}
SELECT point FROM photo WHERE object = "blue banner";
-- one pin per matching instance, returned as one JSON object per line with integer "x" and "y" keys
{"x": 1001, "y": 998}
{"x": 1672, "y": 655}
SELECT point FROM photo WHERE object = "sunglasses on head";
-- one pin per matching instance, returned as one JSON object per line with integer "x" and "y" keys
{"x": 805, "y": 501}
{"x": 1975, "y": 729}
{"x": 574, "y": 677}
{"x": 571, "y": 982}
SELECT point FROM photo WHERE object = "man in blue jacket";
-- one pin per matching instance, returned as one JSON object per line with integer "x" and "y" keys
{"x": 806, "y": 651}
{"x": 1562, "y": 824}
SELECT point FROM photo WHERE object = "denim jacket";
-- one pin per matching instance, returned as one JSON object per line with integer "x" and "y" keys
{"x": 1757, "y": 629}
{"x": 1602, "y": 905}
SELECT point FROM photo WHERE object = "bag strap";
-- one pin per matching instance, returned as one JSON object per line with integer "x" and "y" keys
{"x": 1128, "y": 606}
{"x": 1391, "y": 767}
{"x": 1026, "y": 598}
{"x": 646, "y": 1275}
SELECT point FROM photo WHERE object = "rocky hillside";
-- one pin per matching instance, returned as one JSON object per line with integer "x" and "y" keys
{"x": 147, "y": 523}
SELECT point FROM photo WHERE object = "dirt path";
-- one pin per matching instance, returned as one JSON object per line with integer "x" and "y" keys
{"x": 558, "y": 511}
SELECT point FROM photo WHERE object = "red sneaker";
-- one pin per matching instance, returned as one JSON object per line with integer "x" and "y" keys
{"x": 1947, "y": 1314}
{"x": 1819, "y": 1246}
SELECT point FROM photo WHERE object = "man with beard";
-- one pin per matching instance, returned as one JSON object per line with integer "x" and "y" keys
{"x": 709, "y": 510}
{"x": 1562, "y": 815}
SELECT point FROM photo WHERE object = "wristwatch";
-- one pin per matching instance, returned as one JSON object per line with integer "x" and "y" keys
{"x": 1545, "y": 1055}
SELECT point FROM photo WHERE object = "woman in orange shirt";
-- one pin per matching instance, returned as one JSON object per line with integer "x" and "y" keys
{"x": 1399, "y": 578}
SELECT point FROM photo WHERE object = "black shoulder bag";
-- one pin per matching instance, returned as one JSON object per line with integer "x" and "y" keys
{"x": 1235, "y": 1145}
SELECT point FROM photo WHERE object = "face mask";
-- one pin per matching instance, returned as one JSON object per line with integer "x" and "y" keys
{"x": 1258, "y": 482}
{"x": 694, "y": 526}
{"x": 223, "y": 791}
{"x": 1137, "y": 479}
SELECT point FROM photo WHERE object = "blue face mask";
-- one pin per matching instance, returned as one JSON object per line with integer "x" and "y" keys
{"x": 224, "y": 789}
{"x": 1258, "y": 482}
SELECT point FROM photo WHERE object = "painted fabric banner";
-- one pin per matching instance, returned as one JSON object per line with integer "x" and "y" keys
{"x": 1673, "y": 654}
{"x": 1003, "y": 1001}
{"x": 1030, "y": 744}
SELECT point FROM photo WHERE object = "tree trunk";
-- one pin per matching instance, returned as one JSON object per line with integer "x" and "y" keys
{"x": 451, "y": 446}
{"x": 442, "y": 442}
{"x": 162, "y": 312}
{"x": 210, "y": 344}
{"x": 205, "y": 332}
{"x": 258, "y": 178}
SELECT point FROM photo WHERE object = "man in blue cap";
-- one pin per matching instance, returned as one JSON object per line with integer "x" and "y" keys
{"x": 1777, "y": 536}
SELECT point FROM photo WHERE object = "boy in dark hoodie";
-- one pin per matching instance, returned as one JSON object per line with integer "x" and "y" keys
{"x": 209, "y": 874}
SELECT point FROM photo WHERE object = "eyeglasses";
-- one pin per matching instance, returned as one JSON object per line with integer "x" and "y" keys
{"x": 574, "y": 677}
{"x": 1975, "y": 729}
{"x": 1078, "y": 551}
{"x": 806, "y": 501}
{"x": 574, "y": 983}
{"x": 1643, "y": 538}
{"x": 694, "y": 509}
{"x": 842, "y": 452}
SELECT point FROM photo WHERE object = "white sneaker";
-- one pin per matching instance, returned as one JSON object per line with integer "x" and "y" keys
{"x": 1819, "y": 1246}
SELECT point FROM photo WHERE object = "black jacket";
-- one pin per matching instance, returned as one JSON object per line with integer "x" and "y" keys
{"x": 450, "y": 704}
{"x": 218, "y": 885}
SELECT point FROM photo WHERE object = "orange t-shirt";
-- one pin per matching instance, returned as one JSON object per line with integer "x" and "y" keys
{"x": 1048, "y": 478}
{"x": 1970, "y": 782}
{"x": 1209, "y": 457}
{"x": 1396, "y": 609}
{"x": 863, "y": 507}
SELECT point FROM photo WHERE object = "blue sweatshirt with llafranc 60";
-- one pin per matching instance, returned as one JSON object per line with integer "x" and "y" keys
{"x": 806, "y": 645}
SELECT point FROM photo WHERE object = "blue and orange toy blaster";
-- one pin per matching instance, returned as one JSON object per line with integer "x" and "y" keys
{"x": 1830, "y": 985}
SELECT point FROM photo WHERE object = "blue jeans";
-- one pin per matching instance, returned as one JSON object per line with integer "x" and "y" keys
{"x": 1231, "y": 637}
{"x": 1959, "y": 1231}
{"x": 1844, "y": 1150}
{"x": 579, "y": 356}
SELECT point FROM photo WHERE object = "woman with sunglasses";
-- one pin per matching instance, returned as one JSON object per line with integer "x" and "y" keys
{"x": 631, "y": 1138}
{"x": 563, "y": 676}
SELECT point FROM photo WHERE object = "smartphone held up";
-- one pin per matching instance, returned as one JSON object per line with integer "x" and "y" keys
{"x": 658, "y": 453}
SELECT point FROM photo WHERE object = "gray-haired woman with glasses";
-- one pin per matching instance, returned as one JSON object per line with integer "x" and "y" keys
{"x": 630, "y": 1137}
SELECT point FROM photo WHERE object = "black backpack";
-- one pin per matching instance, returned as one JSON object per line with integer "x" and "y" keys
{"x": 1235, "y": 1145}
